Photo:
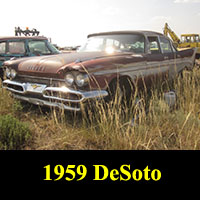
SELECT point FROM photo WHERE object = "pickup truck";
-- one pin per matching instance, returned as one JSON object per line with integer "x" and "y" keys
{"x": 17, "y": 47}
{"x": 129, "y": 59}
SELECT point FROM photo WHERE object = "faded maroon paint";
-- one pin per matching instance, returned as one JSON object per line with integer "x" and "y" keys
{"x": 111, "y": 63}
{"x": 56, "y": 66}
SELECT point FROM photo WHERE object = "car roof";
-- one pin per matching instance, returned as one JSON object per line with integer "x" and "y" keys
{"x": 22, "y": 37}
{"x": 186, "y": 35}
{"x": 147, "y": 33}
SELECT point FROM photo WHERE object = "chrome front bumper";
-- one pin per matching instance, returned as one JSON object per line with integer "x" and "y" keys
{"x": 51, "y": 96}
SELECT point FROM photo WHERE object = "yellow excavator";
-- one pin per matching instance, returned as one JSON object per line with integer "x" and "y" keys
{"x": 186, "y": 41}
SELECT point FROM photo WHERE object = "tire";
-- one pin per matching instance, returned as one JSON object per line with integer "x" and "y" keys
{"x": 120, "y": 91}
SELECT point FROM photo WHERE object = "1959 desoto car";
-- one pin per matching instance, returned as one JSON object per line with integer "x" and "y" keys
{"x": 130, "y": 58}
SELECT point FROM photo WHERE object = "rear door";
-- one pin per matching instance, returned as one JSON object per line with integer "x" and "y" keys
{"x": 169, "y": 56}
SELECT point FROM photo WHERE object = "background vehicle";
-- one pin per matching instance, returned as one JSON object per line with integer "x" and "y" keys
{"x": 186, "y": 41}
{"x": 20, "y": 46}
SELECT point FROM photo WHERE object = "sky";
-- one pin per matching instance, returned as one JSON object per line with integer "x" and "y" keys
{"x": 68, "y": 22}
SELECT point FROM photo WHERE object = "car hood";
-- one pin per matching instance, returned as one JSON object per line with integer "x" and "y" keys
{"x": 46, "y": 65}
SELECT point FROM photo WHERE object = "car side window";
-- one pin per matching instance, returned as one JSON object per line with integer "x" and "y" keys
{"x": 16, "y": 47}
{"x": 154, "y": 45}
{"x": 38, "y": 47}
{"x": 2, "y": 47}
{"x": 165, "y": 45}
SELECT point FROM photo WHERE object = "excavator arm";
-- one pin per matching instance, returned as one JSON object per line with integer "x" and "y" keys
{"x": 174, "y": 37}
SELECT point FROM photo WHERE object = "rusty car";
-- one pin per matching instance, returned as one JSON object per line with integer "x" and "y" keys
{"x": 13, "y": 47}
{"x": 130, "y": 58}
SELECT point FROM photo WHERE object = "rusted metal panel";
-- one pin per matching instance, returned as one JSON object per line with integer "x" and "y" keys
{"x": 100, "y": 68}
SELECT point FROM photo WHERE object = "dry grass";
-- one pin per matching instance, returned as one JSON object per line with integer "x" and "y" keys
{"x": 112, "y": 127}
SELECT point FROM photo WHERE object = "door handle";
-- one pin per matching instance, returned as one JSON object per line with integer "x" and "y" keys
{"x": 166, "y": 57}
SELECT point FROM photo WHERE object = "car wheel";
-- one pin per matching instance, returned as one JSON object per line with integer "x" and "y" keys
{"x": 120, "y": 91}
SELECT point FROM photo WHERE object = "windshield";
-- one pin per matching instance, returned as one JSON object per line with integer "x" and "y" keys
{"x": 41, "y": 47}
{"x": 115, "y": 43}
{"x": 53, "y": 48}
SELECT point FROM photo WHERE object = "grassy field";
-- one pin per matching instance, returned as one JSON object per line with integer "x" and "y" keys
{"x": 109, "y": 127}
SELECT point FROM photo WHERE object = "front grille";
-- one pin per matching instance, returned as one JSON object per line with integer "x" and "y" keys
{"x": 14, "y": 87}
{"x": 39, "y": 80}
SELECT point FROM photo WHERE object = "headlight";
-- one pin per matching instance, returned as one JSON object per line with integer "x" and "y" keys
{"x": 13, "y": 73}
{"x": 69, "y": 79}
{"x": 81, "y": 79}
{"x": 8, "y": 72}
